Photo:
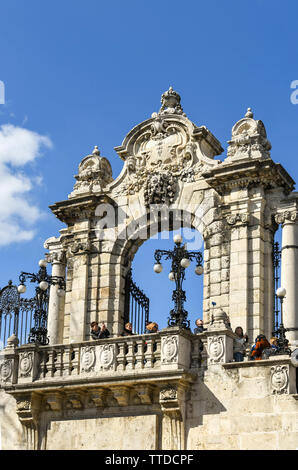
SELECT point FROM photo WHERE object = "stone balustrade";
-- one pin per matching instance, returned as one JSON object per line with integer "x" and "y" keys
{"x": 100, "y": 360}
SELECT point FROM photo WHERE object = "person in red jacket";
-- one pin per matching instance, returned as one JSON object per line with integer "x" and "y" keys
{"x": 260, "y": 345}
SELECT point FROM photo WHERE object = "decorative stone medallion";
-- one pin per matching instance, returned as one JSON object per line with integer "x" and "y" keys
{"x": 169, "y": 349}
{"x": 87, "y": 359}
{"x": 216, "y": 349}
{"x": 279, "y": 379}
{"x": 26, "y": 363}
{"x": 106, "y": 356}
{"x": 6, "y": 370}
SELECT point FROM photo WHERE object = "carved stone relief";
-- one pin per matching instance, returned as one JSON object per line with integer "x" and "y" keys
{"x": 169, "y": 349}
{"x": 88, "y": 359}
{"x": 106, "y": 357}
{"x": 216, "y": 349}
{"x": 25, "y": 364}
{"x": 94, "y": 174}
{"x": 279, "y": 379}
{"x": 6, "y": 369}
{"x": 249, "y": 139}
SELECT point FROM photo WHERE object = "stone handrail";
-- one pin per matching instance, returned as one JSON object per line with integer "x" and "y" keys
{"x": 168, "y": 350}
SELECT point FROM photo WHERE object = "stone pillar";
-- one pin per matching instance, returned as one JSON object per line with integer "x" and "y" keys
{"x": 289, "y": 275}
{"x": 239, "y": 270}
{"x": 79, "y": 299}
{"x": 56, "y": 302}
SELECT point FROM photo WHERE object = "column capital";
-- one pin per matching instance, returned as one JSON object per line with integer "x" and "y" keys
{"x": 287, "y": 216}
{"x": 56, "y": 257}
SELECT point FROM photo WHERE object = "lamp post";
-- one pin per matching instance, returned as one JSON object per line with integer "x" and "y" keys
{"x": 280, "y": 332}
{"x": 181, "y": 259}
{"x": 38, "y": 333}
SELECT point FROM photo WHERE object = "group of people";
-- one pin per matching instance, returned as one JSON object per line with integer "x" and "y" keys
{"x": 101, "y": 332}
{"x": 262, "y": 348}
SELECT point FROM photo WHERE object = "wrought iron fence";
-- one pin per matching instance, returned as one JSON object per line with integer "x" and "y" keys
{"x": 16, "y": 315}
{"x": 136, "y": 306}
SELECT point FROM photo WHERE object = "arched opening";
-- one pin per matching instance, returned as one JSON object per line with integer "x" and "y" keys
{"x": 158, "y": 287}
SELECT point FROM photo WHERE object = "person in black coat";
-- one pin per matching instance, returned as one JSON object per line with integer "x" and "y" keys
{"x": 99, "y": 332}
{"x": 127, "y": 330}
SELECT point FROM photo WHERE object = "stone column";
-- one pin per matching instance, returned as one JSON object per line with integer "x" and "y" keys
{"x": 79, "y": 296}
{"x": 56, "y": 302}
{"x": 289, "y": 274}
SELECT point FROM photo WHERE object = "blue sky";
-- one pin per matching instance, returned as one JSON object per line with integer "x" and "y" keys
{"x": 79, "y": 74}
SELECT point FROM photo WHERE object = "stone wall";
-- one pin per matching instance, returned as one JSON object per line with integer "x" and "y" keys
{"x": 229, "y": 406}
{"x": 233, "y": 408}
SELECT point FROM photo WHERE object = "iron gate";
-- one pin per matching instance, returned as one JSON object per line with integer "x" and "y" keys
{"x": 17, "y": 315}
{"x": 136, "y": 306}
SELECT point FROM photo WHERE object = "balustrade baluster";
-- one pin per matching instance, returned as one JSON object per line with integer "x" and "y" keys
{"x": 75, "y": 361}
{"x": 139, "y": 356}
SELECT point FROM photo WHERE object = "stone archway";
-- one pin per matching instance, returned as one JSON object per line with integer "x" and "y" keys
{"x": 170, "y": 161}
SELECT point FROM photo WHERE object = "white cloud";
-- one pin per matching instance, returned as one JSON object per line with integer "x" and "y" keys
{"x": 18, "y": 146}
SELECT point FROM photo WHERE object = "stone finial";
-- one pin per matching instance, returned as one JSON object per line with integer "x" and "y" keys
{"x": 170, "y": 102}
{"x": 96, "y": 151}
{"x": 95, "y": 172}
{"x": 12, "y": 341}
{"x": 249, "y": 140}
{"x": 249, "y": 113}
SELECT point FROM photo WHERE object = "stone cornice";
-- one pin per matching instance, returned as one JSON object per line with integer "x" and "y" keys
{"x": 79, "y": 208}
{"x": 248, "y": 173}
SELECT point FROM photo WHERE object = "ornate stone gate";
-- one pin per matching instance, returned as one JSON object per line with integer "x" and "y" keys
{"x": 171, "y": 177}
{"x": 170, "y": 165}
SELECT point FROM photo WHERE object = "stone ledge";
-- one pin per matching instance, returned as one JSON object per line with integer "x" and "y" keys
{"x": 262, "y": 362}
{"x": 87, "y": 382}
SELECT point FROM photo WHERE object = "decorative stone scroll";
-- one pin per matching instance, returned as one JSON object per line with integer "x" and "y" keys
{"x": 282, "y": 217}
{"x": 164, "y": 152}
{"x": 239, "y": 218}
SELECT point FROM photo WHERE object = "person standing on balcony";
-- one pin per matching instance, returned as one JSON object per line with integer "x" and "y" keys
{"x": 127, "y": 330}
{"x": 240, "y": 343}
{"x": 99, "y": 332}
